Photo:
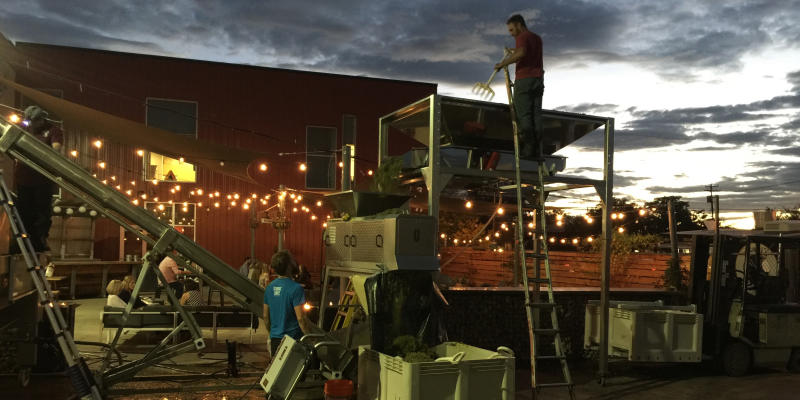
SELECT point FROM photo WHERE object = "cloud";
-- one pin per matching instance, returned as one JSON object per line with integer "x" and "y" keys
{"x": 32, "y": 28}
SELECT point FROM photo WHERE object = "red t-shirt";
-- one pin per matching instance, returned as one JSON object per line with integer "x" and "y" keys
{"x": 531, "y": 65}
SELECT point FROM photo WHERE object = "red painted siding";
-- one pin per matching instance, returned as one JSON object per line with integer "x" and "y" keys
{"x": 274, "y": 102}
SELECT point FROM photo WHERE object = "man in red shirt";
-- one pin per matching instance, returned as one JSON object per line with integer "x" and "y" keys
{"x": 528, "y": 85}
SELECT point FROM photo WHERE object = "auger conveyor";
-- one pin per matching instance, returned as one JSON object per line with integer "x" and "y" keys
{"x": 162, "y": 238}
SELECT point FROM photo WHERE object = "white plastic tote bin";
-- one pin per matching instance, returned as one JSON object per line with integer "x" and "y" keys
{"x": 470, "y": 373}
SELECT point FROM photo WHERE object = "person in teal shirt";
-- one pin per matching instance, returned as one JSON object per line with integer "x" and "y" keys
{"x": 283, "y": 302}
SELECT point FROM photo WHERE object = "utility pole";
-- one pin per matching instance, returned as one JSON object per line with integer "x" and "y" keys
{"x": 709, "y": 199}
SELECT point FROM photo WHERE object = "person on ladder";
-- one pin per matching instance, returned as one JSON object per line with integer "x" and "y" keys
{"x": 528, "y": 85}
{"x": 34, "y": 191}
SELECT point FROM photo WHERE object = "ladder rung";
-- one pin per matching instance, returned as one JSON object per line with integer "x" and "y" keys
{"x": 545, "y": 331}
{"x": 551, "y": 385}
{"x": 542, "y": 305}
{"x": 539, "y": 256}
{"x": 342, "y": 313}
{"x": 538, "y": 280}
{"x": 551, "y": 357}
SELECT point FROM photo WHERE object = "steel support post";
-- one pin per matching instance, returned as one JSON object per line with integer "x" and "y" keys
{"x": 605, "y": 270}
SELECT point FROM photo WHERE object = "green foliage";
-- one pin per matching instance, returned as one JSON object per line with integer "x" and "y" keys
{"x": 386, "y": 177}
{"x": 458, "y": 226}
{"x": 653, "y": 218}
{"x": 411, "y": 349}
{"x": 674, "y": 277}
{"x": 622, "y": 246}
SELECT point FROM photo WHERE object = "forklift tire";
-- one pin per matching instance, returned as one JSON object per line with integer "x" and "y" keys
{"x": 794, "y": 361}
{"x": 736, "y": 358}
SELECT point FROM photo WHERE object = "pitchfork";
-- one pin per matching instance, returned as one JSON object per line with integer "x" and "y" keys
{"x": 484, "y": 89}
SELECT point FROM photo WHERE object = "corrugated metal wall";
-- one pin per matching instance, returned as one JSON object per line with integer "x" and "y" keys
{"x": 261, "y": 109}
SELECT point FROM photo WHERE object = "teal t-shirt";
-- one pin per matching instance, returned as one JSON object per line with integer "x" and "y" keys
{"x": 282, "y": 296}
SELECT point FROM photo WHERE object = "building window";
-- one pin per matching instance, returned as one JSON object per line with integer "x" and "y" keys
{"x": 320, "y": 157}
{"x": 179, "y": 117}
{"x": 181, "y": 216}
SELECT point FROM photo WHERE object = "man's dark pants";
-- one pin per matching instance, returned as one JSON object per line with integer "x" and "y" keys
{"x": 177, "y": 288}
{"x": 34, "y": 204}
{"x": 528, "y": 106}
{"x": 274, "y": 343}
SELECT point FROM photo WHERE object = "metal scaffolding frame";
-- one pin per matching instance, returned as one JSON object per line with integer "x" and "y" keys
{"x": 560, "y": 127}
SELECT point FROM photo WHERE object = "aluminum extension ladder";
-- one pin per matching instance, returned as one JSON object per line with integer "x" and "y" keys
{"x": 78, "y": 371}
{"x": 533, "y": 302}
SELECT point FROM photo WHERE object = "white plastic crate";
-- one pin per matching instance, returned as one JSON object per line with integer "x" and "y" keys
{"x": 479, "y": 375}
{"x": 659, "y": 334}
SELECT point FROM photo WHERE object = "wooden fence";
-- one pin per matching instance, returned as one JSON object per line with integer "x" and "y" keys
{"x": 574, "y": 269}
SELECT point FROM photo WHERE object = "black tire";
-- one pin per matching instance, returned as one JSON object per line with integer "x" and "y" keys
{"x": 736, "y": 358}
{"x": 794, "y": 361}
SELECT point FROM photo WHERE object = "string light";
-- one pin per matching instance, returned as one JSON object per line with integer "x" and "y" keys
{"x": 442, "y": 236}
{"x": 575, "y": 241}
{"x": 590, "y": 239}
{"x": 216, "y": 204}
{"x": 621, "y": 229}
{"x": 369, "y": 172}
{"x": 246, "y": 206}
{"x": 313, "y": 217}
{"x": 199, "y": 192}
{"x": 14, "y": 118}
{"x": 552, "y": 240}
{"x": 302, "y": 167}
{"x": 73, "y": 153}
{"x": 319, "y": 203}
{"x": 102, "y": 164}
{"x": 497, "y": 234}
{"x": 263, "y": 167}
{"x": 468, "y": 204}
{"x": 341, "y": 164}
{"x": 98, "y": 143}
{"x": 140, "y": 153}
{"x": 642, "y": 212}
{"x": 181, "y": 160}
{"x": 530, "y": 225}
{"x": 324, "y": 224}
{"x": 500, "y": 211}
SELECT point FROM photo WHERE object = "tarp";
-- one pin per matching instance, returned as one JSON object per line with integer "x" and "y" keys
{"x": 226, "y": 160}
{"x": 403, "y": 303}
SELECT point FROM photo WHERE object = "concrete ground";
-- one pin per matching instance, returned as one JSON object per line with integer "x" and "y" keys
{"x": 628, "y": 381}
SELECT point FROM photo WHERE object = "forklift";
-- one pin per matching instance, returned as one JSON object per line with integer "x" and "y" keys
{"x": 747, "y": 285}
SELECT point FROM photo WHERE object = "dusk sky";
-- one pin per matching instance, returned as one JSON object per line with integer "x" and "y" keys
{"x": 702, "y": 91}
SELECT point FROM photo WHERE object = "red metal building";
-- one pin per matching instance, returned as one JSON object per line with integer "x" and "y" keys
{"x": 268, "y": 110}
